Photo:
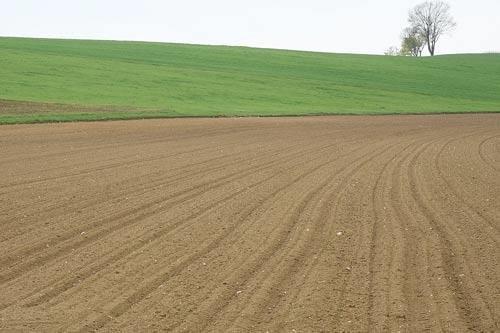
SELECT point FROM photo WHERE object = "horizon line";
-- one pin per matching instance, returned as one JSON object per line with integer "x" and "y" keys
{"x": 225, "y": 45}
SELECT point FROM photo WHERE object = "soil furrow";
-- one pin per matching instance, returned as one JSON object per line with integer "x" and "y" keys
{"x": 353, "y": 224}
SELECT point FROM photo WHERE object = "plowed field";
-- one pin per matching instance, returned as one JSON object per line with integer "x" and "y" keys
{"x": 252, "y": 224}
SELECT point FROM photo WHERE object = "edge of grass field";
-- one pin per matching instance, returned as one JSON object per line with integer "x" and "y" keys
{"x": 13, "y": 119}
{"x": 57, "y": 110}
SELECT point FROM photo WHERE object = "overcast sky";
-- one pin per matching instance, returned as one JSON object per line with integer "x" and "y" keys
{"x": 352, "y": 26}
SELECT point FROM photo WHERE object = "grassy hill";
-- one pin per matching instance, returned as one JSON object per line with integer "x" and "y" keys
{"x": 60, "y": 80}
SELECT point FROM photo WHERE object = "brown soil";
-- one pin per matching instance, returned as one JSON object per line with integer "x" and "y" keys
{"x": 387, "y": 223}
{"x": 24, "y": 107}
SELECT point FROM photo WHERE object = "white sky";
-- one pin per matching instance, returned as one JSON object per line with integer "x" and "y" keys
{"x": 353, "y": 26}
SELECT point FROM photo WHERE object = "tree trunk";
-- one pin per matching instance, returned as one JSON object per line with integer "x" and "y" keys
{"x": 431, "y": 49}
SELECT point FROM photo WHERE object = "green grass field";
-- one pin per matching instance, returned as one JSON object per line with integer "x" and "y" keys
{"x": 121, "y": 80}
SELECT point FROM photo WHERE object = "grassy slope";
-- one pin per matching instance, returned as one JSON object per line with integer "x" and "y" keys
{"x": 157, "y": 79}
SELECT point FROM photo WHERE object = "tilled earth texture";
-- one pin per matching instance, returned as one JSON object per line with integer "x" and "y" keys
{"x": 320, "y": 224}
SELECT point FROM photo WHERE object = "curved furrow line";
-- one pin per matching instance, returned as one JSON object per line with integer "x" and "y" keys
{"x": 486, "y": 158}
{"x": 92, "y": 170}
{"x": 472, "y": 211}
{"x": 103, "y": 227}
{"x": 117, "y": 217}
{"x": 92, "y": 200}
{"x": 390, "y": 311}
{"x": 126, "y": 143}
{"x": 54, "y": 291}
{"x": 154, "y": 176}
{"x": 384, "y": 177}
{"x": 57, "y": 288}
{"x": 115, "y": 165}
{"x": 347, "y": 262}
{"x": 358, "y": 257}
{"x": 177, "y": 179}
{"x": 174, "y": 180}
{"x": 278, "y": 251}
{"x": 416, "y": 248}
{"x": 308, "y": 254}
{"x": 118, "y": 158}
{"x": 347, "y": 278}
{"x": 466, "y": 302}
{"x": 141, "y": 293}
{"x": 68, "y": 166}
{"x": 154, "y": 181}
{"x": 314, "y": 224}
{"x": 415, "y": 282}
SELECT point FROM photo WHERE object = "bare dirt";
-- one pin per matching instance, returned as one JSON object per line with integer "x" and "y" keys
{"x": 387, "y": 223}
{"x": 10, "y": 107}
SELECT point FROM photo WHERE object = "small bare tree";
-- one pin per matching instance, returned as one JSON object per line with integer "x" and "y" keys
{"x": 431, "y": 20}
{"x": 392, "y": 51}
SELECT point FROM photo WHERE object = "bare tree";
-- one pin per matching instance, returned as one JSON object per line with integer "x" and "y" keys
{"x": 431, "y": 20}
{"x": 412, "y": 43}
{"x": 392, "y": 51}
